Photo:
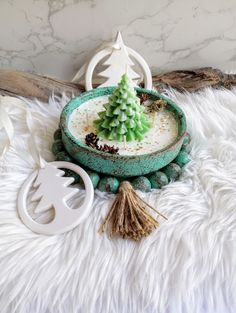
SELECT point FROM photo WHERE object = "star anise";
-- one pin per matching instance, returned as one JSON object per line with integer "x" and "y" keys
{"x": 92, "y": 139}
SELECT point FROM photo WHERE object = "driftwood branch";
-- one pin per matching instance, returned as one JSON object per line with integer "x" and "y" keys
{"x": 41, "y": 87}
{"x": 28, "y": 85}
{"x": 193, "y": 80}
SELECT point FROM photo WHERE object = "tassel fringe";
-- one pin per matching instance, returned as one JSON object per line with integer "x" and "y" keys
{"x": 128, "y": 217}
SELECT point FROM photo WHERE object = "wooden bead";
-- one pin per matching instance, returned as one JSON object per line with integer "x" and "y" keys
{"x": 95, "y": 178}
{"x": 63, "y": 156}
{"x": 158, "y": 179}
{"x": 186, "y": 148}
{"x": 142, "y": 183}
{"x": 187, "y": 139}
{"x": 109, "y": 184}
{"x": 57, "y": 134}
{"x": 182, "y": 158}
{"x": 69, "y": 173}
{"x": 172, "y": 171}
{"x": 57, "y": 146}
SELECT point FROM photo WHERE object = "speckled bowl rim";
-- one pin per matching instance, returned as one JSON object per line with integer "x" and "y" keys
{"x": 106, "y": 91}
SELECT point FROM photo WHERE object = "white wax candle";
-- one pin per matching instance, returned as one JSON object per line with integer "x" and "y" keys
{"x": 162, "y": 133}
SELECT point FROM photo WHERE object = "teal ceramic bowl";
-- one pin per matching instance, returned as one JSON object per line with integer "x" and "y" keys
{"x": 120, "y": 165}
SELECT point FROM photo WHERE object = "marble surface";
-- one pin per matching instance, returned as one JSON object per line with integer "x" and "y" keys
{"x": 54, "y": 37}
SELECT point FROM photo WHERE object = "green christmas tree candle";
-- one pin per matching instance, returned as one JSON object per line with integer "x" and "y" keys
{"x": 124, "y": 117}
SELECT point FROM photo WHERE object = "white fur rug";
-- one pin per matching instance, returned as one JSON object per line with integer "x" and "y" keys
{"x": 186, "y": 266}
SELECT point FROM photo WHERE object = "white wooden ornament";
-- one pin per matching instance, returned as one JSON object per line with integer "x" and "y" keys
{"x": 118, "y": 64}
{"x": 53, "y": 191}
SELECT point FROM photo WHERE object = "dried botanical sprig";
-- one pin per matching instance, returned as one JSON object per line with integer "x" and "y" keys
{"x": 108, "y": 149}
{"x": 92, "y": 139}
{"x": 157, "y": 106}
{"x": 143, "y": 97}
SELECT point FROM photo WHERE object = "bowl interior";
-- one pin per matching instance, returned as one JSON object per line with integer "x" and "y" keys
{"x": 99, "y": 92}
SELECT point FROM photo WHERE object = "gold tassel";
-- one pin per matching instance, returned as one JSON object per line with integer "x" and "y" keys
{"x": 128, "y": 217}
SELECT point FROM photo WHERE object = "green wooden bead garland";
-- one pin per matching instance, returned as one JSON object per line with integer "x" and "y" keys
{"x": 69, "y": 173}
{"x": 187, "y": 148}
{"x": 109, "y": 184}
{"x": 63, "y": 156}
{"x": 95, "y": 178}
{"x": 142, "y": 183}
{"x": 158, "y": 180}
{"x": 57, "y": 134}
{"x": 172, "y": 171}
{"x": 155, "y": 180}
{"x": 182, "y": 158}
{"x": 187, "y": 139}
{"x": 57, "y": 146}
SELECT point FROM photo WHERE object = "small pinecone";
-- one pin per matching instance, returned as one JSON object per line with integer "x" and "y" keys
{"x": 91, "y": 140}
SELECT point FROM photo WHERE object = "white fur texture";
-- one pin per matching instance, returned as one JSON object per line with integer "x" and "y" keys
{"x": 186, "y": 266}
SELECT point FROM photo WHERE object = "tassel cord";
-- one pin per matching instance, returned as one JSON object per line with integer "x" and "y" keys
{"x": 159, "y": 213}
{"x": 128, "y": 217}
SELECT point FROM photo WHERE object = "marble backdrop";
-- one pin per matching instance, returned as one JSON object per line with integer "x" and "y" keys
{"x": 54, "y": 37}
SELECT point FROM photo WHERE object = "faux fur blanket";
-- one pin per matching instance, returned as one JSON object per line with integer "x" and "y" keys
{"x": 185, "y": 266}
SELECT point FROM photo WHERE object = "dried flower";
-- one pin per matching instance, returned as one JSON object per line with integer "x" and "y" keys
{"x": 109, "y": 149}
{"x": 157, "y": 106}
{"x": 143, "y": 97}
{"x": 92, "y": 139}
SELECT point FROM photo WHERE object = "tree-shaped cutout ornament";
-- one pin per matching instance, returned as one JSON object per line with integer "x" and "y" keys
{"x": 124, "y": 117}
{"x": 47, "y": 198}
{"x": 53, "y": 191}
{"x": 118, "y": 63}
{"x": 119, "y": 58}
